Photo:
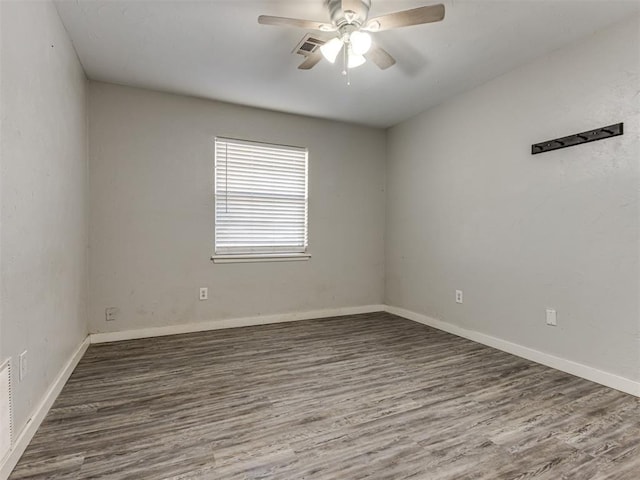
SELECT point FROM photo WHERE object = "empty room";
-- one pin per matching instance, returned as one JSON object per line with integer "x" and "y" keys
{"x": 320, "y": 239}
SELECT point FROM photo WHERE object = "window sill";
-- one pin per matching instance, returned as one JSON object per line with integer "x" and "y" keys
{"x": 262, "y": 257}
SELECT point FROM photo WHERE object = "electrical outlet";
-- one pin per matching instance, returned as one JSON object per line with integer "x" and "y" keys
{"x": 22, "y": 367}
{"x": 458, "y": 296}
{"x": 111, "y": 314}
{"x": 552, "y": 317}
{"x": 204, "y": 293}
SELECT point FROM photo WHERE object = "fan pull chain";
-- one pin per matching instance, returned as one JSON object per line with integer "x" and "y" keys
{"x": 344, "y": 60}
{"x": 345, "y": 65}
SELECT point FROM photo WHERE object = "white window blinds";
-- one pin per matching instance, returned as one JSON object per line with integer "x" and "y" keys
{"x": 260, "y": 198}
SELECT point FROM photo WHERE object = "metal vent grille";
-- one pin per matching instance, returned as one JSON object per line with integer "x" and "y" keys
{"x": 308, "y": 45}
{"x": 6, "y": 414}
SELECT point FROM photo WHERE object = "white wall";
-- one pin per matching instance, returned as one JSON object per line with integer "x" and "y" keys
{"x": 43, "y": 240}
{"x": 151, "y": 234}
{"x": 468, "y": 206}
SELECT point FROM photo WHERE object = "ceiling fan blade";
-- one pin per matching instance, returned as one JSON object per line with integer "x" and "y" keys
{"x": 406, "y": 18}
{"x": 380, "y": 57}
{"x": 310, "y": 61}
{"x": 295, "y": 22}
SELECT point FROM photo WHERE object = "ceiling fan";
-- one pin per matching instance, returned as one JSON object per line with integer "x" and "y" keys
{"x": 351, "y": 23}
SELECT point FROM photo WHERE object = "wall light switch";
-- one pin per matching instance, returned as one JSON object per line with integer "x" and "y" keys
{"x": 552, "y": 318}
{"x": 204, "y": 293}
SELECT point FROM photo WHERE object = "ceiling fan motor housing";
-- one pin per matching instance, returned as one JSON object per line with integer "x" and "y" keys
{"x": 349, "y": 12}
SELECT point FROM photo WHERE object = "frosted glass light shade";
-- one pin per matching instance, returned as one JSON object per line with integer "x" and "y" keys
{"x": 360, "y": 42}
{"x": 355, "y": 60}
{"x": 331, "y": 49}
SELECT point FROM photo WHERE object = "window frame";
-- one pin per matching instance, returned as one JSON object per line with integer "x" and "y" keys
{"x": 258, "y": 254}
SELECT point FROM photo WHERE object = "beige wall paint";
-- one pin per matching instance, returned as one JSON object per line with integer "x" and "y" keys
{"x": 468, "y": 206}
{"x": 44, "y": 204}
{"x": 151, "y": 234}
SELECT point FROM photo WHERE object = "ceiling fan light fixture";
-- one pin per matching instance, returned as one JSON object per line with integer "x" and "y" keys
{"x": 355, "y": 60}
{"x": 351, "y": 23}
{"x": 360, "y": 42}
{"x": 331, "y": 49}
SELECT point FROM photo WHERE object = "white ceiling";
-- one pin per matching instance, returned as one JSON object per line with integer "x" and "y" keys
{"x": 216, "y": 49}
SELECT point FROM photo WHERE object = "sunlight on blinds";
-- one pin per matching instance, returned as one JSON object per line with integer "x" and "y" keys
{"x": 260, "y": 198}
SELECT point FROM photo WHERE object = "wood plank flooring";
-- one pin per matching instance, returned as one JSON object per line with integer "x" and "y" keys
{"x": 369, "y": 396}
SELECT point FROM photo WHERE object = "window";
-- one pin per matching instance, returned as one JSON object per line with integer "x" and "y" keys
{"x": 260, "y": 201}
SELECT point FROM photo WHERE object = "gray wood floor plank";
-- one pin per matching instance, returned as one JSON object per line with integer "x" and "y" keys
{"x": 364, "y": 397}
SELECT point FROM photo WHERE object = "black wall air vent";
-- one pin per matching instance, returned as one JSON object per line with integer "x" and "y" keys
{"x": 307, "y": 45}
{"x": 578, "y": 138}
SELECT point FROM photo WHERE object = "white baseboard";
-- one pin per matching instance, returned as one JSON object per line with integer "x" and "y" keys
{"x": 29, "y": 430}
{"x": 578, "y": 369}
{"x": 589, "y": 373}
{"x": 231, "y": 323}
